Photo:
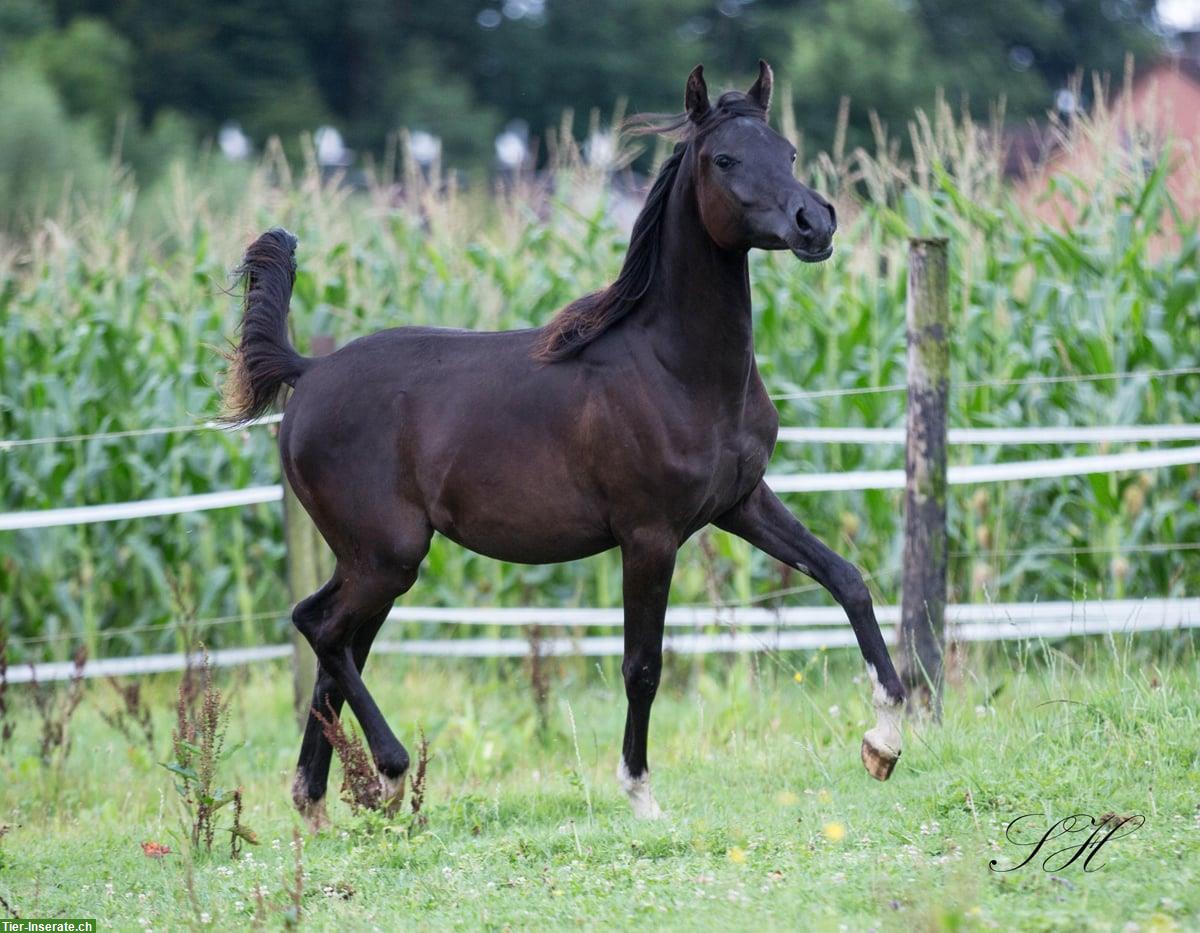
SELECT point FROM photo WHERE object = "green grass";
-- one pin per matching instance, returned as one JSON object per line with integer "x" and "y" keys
{"x": 755, "y": 770}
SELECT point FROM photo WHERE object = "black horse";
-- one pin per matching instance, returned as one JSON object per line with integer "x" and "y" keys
{"x": 632, "y": 420}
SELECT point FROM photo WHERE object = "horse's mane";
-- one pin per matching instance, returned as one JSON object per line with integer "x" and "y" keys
{"x": 586, "y": 318}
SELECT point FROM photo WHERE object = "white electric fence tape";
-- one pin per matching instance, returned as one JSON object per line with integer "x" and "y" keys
{"x": 969, "y": 622}
{"x": 796, "y": 482}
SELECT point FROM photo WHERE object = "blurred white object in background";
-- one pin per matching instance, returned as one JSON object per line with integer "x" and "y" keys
{"x": 510, "y": 149}
{"x": 331, "y": 149}
{"x": 600, "y": 149}
{"x": 1065, "y": 102}
{"x": 425, "y": 148}
{"x": 235, "y": 145}
{"x": 1179, "y": 14}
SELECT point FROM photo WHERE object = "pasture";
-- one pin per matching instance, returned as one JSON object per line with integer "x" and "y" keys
{"x": 769, "y": 813}
{"x": 112, "y": 316}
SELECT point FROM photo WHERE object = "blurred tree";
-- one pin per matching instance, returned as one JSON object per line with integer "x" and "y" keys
{"x": 460, "y": 68}
{"x": 48, "y": 157}
{"x": 21, "y": 20}
{"x": 891, "y": 56}
{"x": 216, "y": 61}
{"x": 89, "y": 65}
{"x": 150, "y": 149}
{"x": 992, "y": 45}
{"x": 737, "y": 33}
{"x": 870, "y": 51}
{"x": 67, "y": 103}
{"x": 447, "y": 108}
{"x": 562, "y": 54}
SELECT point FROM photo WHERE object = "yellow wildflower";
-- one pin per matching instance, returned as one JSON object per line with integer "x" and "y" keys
{"x": 834, "y": 832}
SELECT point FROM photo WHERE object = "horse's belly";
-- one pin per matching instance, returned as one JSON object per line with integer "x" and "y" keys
{"x": 517, "y": 547}
{"x": 519, "y": 511}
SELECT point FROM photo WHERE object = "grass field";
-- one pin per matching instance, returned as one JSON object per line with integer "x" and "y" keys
{"x": 111, "y": 318}
{"x": 771, "y": 821}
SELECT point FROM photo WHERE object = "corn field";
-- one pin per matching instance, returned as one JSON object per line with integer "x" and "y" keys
{"x": 114, "y": 313}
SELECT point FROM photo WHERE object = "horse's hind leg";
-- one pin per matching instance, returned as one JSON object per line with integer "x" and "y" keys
{"x": 312, "y": 770}
{"x": 340, "y": 622}
{"x": 332, "y": 628}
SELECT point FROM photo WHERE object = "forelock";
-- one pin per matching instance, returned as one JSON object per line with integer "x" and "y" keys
{"x": 733, "y": 104}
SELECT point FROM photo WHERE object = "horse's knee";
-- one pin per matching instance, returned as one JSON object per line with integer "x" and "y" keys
{"x": 329, "y": 631}
{"x": 642, "y": 673}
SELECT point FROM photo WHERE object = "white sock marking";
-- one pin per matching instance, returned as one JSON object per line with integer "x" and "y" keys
{"x": 885, "y": 737}
{"x": 637, "y": 789}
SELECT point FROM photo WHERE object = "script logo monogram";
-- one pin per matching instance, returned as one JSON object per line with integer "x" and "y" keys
{"x": 1058, "y": 857}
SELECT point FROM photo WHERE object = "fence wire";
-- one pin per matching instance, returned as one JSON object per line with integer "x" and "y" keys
{"x": 13, "y": 443}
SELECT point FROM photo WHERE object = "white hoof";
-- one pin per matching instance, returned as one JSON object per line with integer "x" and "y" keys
{"x": 882, "y": 744}
{"x": 637, "y": 789}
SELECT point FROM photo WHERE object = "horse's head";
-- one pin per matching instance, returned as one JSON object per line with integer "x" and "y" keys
{"x": 746, "y": 192}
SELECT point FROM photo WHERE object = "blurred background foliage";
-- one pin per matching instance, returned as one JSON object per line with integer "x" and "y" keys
{"x": 144, "y": 82}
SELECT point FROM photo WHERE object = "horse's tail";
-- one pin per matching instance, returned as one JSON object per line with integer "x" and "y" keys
{"x": 264, "y": 359}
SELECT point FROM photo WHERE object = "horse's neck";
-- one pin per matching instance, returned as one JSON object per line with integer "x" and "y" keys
{"x": 699, "y": 319}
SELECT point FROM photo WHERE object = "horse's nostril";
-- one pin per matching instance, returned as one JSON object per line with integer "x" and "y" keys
{"x": 832, "y": 216}
{"x": 802, "y": 222}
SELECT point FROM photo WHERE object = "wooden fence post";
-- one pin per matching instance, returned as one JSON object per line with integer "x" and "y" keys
{"x": 308, "y": 566}
{"x": 923, "y": 605}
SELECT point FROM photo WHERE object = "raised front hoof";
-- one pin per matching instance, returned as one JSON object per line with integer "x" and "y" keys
{"x": 879, "y": 762}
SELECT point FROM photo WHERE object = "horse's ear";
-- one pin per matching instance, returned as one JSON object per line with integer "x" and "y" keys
{"x": 760, "y": 90}
{"x": 695, "y": 98}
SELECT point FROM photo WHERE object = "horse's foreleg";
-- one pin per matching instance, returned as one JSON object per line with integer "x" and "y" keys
{"x": 312, "y": 770}
{"x": 648, "y": 561}
{"x": 766, "y": 523}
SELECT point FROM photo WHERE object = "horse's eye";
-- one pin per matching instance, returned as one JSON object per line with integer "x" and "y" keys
{"x": 724, "y": 161}
{"x": 793, "y": 157}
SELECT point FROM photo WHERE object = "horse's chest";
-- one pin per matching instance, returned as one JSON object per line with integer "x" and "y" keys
{"x": 663, "y": 451}
{"x": 735, "y": 464}
{"x": 702, "y": 468}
